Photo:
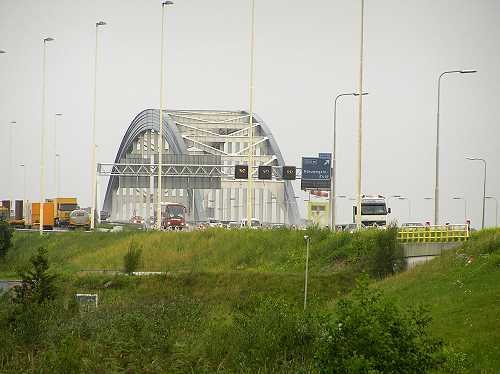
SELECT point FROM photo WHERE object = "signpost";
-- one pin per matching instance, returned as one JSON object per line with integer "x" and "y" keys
{"x": 316, "y": 172}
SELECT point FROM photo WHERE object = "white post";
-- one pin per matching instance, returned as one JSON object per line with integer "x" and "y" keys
{"x": 58, "y": 173}
{"x": 93, "y": 170}
{"x": 42, "y": 145}
{"x": 11, "y": 176}
{"x": 360, "y": 121}
{"x": 250, "y": 120}
{"x": 160, "y": 125}
{"x": 308, "y": 239}
{"x": 55, "y": 153}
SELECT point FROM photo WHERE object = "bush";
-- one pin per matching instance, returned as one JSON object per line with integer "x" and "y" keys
{"x": 132, "y": 258}
{"x": 37, "y": 285}
{"x": 265, "y": 334}
{"x": 387, "y": 258}
{"x": 371, "y": 335}
{"x": 5, "y": 237}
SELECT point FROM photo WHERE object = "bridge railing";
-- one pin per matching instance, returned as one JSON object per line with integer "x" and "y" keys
{"x": 430, "y": 234}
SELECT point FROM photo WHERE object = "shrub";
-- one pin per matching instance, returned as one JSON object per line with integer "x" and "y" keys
{"x": 371, "y": 334}
{"x": 5, "y": 237}
{"x": 265, "y": 334}
{"x": 387, "y": 258}
{"x": 132, "y": 258}
{"x": 37, "y": 285}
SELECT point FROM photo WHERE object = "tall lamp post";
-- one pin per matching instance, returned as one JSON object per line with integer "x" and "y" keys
{"x": 11, "y": 177}
{"x": 436, "y": 188}
{"x": 24, "y": 190}
{"x": 465, "y": 205}
{"x": 42, "y": 147}
{"x": 360, "y": 119}
{"x": 496, "y": 208}
{"x": 24, "y": 181}
{"x": 250, "y": 118}
{"x": 484, "y": 182}
{"x": 334, "y": 159}
{"x": 160, "y": 125}
{"x": 55, "y": 153}
{"x": 58, "y": 173}
{"x": 93, "y": 170}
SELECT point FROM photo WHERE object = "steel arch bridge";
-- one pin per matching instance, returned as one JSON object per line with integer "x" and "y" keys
{"x": 219, "y": 136}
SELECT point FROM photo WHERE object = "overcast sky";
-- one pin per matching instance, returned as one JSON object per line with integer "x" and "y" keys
{"x": 306, "y": 53}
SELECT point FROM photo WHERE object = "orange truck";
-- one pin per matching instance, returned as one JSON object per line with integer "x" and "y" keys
{"x": 48, "y": 215}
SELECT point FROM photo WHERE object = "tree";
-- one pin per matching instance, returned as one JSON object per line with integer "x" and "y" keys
{"x": 37, "y": 285}
{"x": 372, "y": 335}
{"x": 5, "y": 237}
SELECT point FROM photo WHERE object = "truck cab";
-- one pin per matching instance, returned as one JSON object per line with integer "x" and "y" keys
{"x": 374, "y": 211}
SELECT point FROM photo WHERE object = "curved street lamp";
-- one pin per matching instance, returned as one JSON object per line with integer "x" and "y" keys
{"x": 436, "y": 189}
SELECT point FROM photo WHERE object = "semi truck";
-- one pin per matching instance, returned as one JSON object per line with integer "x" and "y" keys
{"x": 374, "y": 210}
{"x": 63, "y": 206}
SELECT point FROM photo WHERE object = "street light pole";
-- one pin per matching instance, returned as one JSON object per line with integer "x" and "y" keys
{"x": 484, "y": 183}
{"x": 11, "y": 177}
{"x": 160, "y": 125}
{"x": 307, "y": 238}
{"x": 55, "y": 152}
{"x": 360, "y": 120}
{"x": 334, "y": 160}
{"x": 42, "y": 146}
{"x": 496, "y": 208}
{"x": 436, "y": 188}
{"x": 58, "y": 173}
{"x": 250, "y": 118}
{"x": 24, "y": 182}
{"x": 92, "y": 146}
{"x": 465, "y": 205}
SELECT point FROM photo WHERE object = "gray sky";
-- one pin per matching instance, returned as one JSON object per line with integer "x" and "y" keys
{"x": 306, "y": 53}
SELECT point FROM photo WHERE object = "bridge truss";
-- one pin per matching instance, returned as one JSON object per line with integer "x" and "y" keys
{"x": 207, "y": 189}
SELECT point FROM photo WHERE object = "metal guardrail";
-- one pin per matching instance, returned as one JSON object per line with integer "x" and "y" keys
{"x": 434, "y": 234}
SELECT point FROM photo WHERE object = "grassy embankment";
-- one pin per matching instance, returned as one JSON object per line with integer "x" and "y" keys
{"x": 205, "y": 314}
{"x": 462, "y": 291}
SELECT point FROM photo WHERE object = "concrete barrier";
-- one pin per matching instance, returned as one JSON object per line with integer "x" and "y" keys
{"x": 417, "y": 253}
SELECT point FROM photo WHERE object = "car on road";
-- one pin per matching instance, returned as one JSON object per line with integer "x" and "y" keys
{"x": 412, "y": 224}
{"x": 138, "y": 220}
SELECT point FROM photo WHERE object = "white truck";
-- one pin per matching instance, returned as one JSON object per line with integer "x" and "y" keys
{"x": 374, "y": 210}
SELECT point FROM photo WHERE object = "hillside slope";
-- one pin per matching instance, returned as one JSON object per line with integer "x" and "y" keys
{"x": 462, "y": 291}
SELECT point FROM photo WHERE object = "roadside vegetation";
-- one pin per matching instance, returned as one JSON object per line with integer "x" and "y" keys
{"x": 232, "y": 301}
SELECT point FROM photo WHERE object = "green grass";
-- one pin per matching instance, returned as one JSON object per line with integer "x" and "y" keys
{"x": 462, "y": 291}
{"x": 185, "y": 320}
{"x": 211, "y": 250}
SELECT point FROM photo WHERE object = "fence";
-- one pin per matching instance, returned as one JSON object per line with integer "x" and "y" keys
{"x": 432, "y": 234}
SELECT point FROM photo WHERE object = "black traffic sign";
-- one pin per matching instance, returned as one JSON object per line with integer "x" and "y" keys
{"x": 241, "y": 172}
{"x": 265, "y": 172}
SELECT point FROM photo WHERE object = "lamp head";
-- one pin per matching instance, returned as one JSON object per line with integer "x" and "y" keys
{"x": 469, "y": 71}
{"x": 100, "y": 23}
{"x": 306, "y": 237}
{"x": 167, "y": 3}
{"x": 49, "y": 39}
{"x": 2, "y": 51}
{"x": 357, "y": 94}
